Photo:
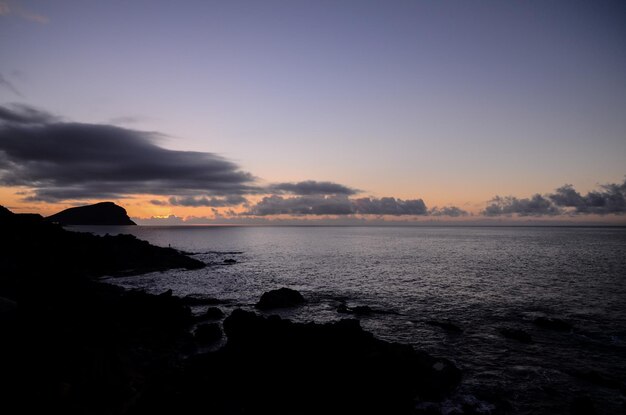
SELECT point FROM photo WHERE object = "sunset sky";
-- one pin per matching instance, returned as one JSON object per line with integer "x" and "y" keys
{"x": 331, "y": 110}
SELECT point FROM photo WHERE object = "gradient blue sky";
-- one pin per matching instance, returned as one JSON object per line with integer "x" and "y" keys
{"x": 450, "y": 101}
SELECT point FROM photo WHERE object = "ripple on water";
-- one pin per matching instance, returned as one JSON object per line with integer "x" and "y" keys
{"x": 481, "y": 279}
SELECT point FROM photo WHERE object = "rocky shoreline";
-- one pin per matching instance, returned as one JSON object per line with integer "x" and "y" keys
{"x": 90, "y": 347}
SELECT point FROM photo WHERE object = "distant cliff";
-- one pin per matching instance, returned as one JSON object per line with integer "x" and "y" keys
{"x": 105, "y": 213}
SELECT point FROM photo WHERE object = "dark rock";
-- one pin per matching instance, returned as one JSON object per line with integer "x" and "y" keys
{"x": 361, "y": 310}
{"x": 5, "y": 213}
{"x": 76, "y": 255}
{"x": 345, "y": 369}
{"x": 283, "y": 297}
{"x": 208, "y": 333}
{"x": 105, "y": 213}
{"x": 201, "y": 300}
{"x": 552, "y": 324}
{"x": 230, "y": 261}
{"x": 516, "y": 334}
{"x": 138, "y": 308}
{"x": 213, "y": 313}
{"x": 8, "y": 317}
{"x": 600, "y": 379}
{"x": 582, "y": 405}
{"x": 168, "y": 293}
{"x": 96, "y": 347}
{"x": 7, "y": 307}
{"x": 344, "y": 309}
{"x": 446, "y": 325}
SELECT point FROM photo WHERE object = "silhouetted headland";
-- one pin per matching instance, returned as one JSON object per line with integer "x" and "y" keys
{"x": 90, "y": 347}
{"x": 104, "y": 213}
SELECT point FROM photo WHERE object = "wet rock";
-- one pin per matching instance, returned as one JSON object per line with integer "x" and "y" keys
{"x": 345, "y": 369}
{"x": 213, "y": 313}
{"x": 193, "y": 300}
{"x": 428, "y": 408}
{"x": 208, "y": 333}
{"x": 582, "y": 405}
{"x": 361, "y": 310}
{"x": 600, "y": 379}
{"x": 552, "y": 324}
{"x": 140, "y": 308}
{"x": 516, "y": 334}
{"x": 7, "y": 307}
{"x": 343, "y": 309}
{"x": 446, "y": 325}
{"x": 281, "y": 298}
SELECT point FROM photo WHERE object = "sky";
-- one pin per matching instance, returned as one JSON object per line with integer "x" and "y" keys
{"x": 328, "y": 111}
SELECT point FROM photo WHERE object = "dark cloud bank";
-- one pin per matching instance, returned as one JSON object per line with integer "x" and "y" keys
{"x": 609, "y": 199}
{"x": 311, "y": 187}
{"x": 343, "y": 205}
{"x": 62, "y": 161}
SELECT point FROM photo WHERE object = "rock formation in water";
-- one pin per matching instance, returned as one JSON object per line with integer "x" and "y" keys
{"x": 280, "y": 298}
{"x": 104, "y": 213}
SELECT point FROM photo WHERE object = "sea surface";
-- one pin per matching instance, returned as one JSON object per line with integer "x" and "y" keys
{"x": 482, "y": 279}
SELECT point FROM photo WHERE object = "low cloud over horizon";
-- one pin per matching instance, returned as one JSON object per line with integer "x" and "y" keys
{"x": 60, "y": 161}
{"x": 609, "y": 199}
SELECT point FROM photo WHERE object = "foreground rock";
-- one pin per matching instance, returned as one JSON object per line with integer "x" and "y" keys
{"x": 86, "y": 347}
{"x": 271, "y": 365}
{"x": 39, "y": 250}
{"x": 281, "y": 298}
{"x": 208, "y": 333}
{"x": 213, "y": 313}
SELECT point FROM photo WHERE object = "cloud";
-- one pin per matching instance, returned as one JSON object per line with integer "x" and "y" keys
{"x": 509, "y": 205}
{"x": 389, "y": 206}
{"x": 336, "y": 205}
{"x": 609, "y": 199}
{"x": 170, "y": 220}
{"x": 8, "y": 84}
{"x": 451, "y": 211}
{"x": 190, "y": 201}
{"x": 24, "y": 114}
{"x": 10, "y": 8}
{"x": 302, "y": 205}
{"x": 65, "y": 160}
{"x": 157, "y": 202}
{"x": 312, "y": 187}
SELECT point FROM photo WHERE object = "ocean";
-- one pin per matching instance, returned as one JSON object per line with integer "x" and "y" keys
{"x": 481, "y": 279}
